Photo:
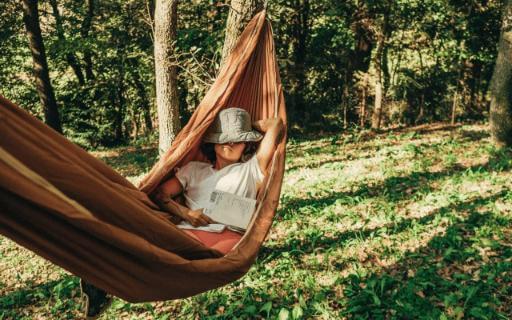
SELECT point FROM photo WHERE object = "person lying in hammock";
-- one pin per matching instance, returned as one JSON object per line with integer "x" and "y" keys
{"x": 229, "y": 145}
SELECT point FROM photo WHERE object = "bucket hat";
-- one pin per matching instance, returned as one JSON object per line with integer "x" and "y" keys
{"x": 232, "y": 125}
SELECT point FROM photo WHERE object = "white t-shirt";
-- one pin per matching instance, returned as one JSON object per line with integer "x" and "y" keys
{"x": 199, "y": 179}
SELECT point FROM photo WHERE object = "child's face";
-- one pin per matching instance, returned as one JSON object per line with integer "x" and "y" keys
{"x": 231, "y": 152}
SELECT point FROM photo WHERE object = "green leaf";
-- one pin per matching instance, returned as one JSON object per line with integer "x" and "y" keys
{"x": 250, "y": 309}
{"x": 267, "y": 307}
{"x": 297, "y": 312}
{"x": 283, "y": 314}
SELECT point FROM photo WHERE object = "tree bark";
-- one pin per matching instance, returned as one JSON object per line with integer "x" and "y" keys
{"x": 43, "y": 84}
{"x": 240, "y": 12}
{"x": 454, "y": 106}
{"x": 362, "y": 113}
{"x": 501, "y": 84}
{"x": 166, "y": 17}
{"x": 377, "y": 110}
{"x": 345, "y": 97}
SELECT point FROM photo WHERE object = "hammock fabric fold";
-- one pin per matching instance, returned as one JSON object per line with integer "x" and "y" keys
{"x": 72, "y": 209}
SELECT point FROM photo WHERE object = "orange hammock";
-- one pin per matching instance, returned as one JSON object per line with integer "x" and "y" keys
{"x": 72, "y": 209}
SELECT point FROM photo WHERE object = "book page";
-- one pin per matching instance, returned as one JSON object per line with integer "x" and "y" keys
{"x": 212, "y": 227}
{"x": 230, "y": 209}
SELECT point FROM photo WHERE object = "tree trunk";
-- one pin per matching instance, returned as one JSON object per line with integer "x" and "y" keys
{"x": 377, "y": 110}
{"x": 382, "y": 35}
{"x": 454, "y": 107}
{"x": 166, "y": 17}
{"x": 476, "y": 78}
{"x": 501, "y": 88}
{"x": 386, "y": 77}
{"x": 240, "y": 12}
{"x": 421, "y": 113}
{"x": 43, "y": 84}
{"x": 345, "y": 106}
{"x": 362, "y": 114}
{"x": 345, "y": 99}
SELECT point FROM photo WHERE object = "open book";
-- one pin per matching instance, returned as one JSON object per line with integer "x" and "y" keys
{"x": 226, "y": 209}
{"x": 230, "y": 209}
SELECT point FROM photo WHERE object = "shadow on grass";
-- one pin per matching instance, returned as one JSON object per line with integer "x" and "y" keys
{"x": 132, "y": 161}
{"x": 364, "y": 137}
{"x": 474, "y": 135}
{"x": 463, "y": 273}
{"x": 422, "y": 128}
{"x": 398, "y": 187}
{"x": 61, "y": 290}
{"x": 301, "y": 246}
{"x": 333, "y": 159}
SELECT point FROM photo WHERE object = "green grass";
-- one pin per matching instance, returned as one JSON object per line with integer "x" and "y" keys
{"x": 412, "y": 224}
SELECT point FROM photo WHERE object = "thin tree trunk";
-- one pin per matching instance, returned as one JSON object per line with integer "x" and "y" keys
{"x": 345, "y": 100}
{"x": 135, "y": 126}
{"x": 166, "y": 17}
{"x": 386, "y": 77}
{"x": 43, "y": 84}
{"x": 454, "y": 106}
{"x": 421, "y": 113}
{"x": 377, "y": 110}
{"x": 383, "y": 34}
{"x": 70, "y": 56}
{"x": 240, "y": 12}
{"x": 475, "y": 71}
{"x": 501, "y": 88}
{"x": 362, "y": 114}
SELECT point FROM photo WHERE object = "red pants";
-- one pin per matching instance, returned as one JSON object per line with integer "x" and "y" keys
{"x": 222, "y": 242}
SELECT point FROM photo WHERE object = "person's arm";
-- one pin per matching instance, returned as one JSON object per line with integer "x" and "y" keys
{"x": 273, "y": 130}
{"x": 163, "y": 197}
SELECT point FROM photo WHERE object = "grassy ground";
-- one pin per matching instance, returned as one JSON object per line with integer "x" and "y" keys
{"x": 411, "y": 224}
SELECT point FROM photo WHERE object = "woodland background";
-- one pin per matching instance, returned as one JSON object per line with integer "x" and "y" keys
{"x": 422, "y": 60}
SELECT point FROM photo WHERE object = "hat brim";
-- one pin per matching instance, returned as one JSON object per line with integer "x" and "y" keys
{"x": 251, "y": 136}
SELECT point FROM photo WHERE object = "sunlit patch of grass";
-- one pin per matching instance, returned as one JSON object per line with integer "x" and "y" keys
{"x": 130, "y": 161}
{"x": 415, "y": 223}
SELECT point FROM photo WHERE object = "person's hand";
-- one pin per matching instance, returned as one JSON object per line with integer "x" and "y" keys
{"x": 197, "y": 218}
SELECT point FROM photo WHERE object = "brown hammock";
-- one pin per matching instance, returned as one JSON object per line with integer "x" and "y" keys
{"x": 72, "y": 209}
